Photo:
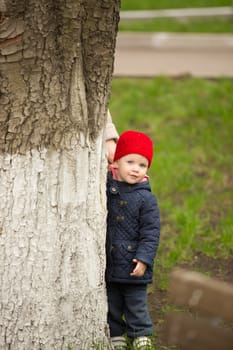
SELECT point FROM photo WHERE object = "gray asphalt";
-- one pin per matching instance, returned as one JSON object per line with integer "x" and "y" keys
{"x": 170, "y": 54}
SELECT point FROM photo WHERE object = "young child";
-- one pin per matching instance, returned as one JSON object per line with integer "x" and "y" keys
{"x": 133, "y": 230}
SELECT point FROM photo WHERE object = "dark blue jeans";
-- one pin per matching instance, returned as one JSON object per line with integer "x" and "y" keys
{"x": 127, "y": 310}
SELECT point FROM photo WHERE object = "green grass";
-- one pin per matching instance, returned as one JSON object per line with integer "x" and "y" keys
{"x": 207, "y": 25}
{"x": 166, "y": 4}
{"x": 191, "y": 122}
{"x": 191, "y": 25}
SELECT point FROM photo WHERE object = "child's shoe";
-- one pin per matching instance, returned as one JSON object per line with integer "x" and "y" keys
{"x": 143, "y": 343}
{"x": 119, "y": 343}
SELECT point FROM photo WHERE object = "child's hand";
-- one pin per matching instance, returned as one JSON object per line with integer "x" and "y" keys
{"x": 139, "y": 269}
{"x": 111, "y": 147}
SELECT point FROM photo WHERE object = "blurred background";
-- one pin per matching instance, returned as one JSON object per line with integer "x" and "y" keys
{"x": 173, "y": 80}
{"x": 155, "y": 38}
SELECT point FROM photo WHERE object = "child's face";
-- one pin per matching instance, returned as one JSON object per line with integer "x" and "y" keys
{"x": 132, "y": 168}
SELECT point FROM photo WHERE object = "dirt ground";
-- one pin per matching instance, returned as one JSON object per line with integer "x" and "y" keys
{"x": 221, "y": 269}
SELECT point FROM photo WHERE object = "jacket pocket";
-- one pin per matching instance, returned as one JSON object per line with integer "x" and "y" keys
{"x": 123, "y": 252}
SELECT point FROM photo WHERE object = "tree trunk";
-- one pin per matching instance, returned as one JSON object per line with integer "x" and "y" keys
{"x": 56, "y": 64}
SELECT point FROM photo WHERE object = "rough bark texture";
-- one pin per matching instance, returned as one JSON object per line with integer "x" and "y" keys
{"x": 47, "y": 48}
{"x": 56, "y": 63}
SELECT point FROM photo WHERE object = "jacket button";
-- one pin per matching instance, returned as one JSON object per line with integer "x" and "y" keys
{"x": 130, "y": 247}
{"x": 114, "y": 189}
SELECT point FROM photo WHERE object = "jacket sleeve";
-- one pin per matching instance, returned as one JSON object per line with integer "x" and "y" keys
{"x": 149, "y": 231}
{"x": 110, "y": 129}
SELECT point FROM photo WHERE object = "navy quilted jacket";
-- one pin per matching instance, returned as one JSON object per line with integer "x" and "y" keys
{"x": 133, "y": 230}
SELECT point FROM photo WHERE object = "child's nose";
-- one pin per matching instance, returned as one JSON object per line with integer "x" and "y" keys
{"x": 136, "y": 168}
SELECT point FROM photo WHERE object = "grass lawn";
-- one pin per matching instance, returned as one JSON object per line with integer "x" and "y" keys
{"x": 191, "y": 123}
{"x": 169, "y": 4}
{"x": 195, "y": 25}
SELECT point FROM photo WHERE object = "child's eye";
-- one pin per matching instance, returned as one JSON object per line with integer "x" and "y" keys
{"x": 129, "y": 161}
{"x": 143, "y": 165}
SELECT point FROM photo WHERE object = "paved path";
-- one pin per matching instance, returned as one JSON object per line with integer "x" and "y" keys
{"x": 151, "y": 54}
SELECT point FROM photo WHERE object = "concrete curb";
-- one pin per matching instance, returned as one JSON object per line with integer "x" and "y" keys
{"x": 172, "y": 54}
{"x": 163, "y": 41}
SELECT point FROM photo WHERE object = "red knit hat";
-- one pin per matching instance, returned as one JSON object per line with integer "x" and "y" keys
{"x": 134, "y": 142}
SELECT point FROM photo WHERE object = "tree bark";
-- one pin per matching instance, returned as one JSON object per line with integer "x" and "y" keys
{"x": 56, "y": 64}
